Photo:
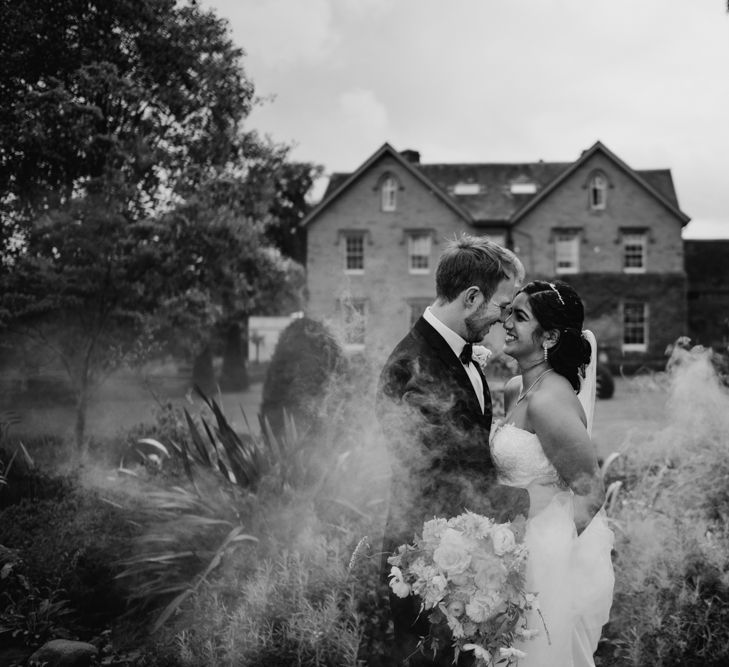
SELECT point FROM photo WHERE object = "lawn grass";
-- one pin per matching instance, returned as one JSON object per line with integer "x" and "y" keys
{"x": 634, "y": 412}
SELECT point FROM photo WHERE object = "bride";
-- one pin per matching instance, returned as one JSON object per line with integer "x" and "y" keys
{"x": 544, "y": 445}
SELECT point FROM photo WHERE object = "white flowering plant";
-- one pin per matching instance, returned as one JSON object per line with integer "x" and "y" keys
{"x": 469, "y": 574}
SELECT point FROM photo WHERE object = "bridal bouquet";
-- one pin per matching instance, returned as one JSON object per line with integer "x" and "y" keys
{"x": 469, "y": 572}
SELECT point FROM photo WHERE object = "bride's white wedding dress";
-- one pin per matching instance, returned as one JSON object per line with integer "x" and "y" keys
{"x": 573, "y": 576}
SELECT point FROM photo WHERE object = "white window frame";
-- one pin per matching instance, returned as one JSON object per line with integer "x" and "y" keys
{"x": 389, "y": 194}
{"x": 641, "y": 323}
{"x": 635, "y": 242}
{"x": 566, "y": 249}
{"x": 416, "y": 307}
{"x": 598, "y": 192}
{"x": 467, "y": 189}
{"x": 352, "y": 253}
{"x": 419, "y": 257}
{"x": 526, "y": 188}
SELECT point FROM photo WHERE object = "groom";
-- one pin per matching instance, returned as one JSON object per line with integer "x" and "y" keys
{"x": 434, "y": 407}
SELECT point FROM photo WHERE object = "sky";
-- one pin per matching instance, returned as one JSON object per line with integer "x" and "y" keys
{"x": 498, "y": 81}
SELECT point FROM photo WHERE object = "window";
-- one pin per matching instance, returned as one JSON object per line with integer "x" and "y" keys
{"x": 523, "y": 188}
{"x": 567, "y": 252}
{"x": 598, "y": 192}
{"x": 389, "y": 194}
{"x": 419, "y": 252}
{"x": 354, "y": 321}
{"x": 466, "y": 189}
{"x": 354, "y": 243}
{"x": 635, "y": 326}
{"x": 634, "y": 246}
{"x": 416, "y": 309}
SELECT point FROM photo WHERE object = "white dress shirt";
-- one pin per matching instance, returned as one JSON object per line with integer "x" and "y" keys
{"x": 456, "y": 343}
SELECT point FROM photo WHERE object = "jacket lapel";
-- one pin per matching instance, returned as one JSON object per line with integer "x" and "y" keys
{"x": 450, "y": 360}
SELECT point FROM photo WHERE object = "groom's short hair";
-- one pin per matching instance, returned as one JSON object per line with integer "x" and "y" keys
{"x": 474, "y": 260}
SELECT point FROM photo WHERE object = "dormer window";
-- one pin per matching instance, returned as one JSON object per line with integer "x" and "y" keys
{"x": 388, "y": 191}
{"x": 598, "y": 192}
{"x": 466, "y": 189}
{"x": 523, "y": 188}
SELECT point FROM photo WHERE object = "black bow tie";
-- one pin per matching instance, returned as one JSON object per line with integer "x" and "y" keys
{"x": 466, "y": 355}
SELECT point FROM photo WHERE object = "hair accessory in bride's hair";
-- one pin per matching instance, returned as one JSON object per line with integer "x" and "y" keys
{"x": 556, "y": 291}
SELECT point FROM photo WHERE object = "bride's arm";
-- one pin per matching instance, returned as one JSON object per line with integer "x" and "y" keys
{"x": 556, "y": 418}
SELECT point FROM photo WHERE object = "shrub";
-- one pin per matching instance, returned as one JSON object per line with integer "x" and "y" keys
{"x": 69, "y": 545}
{"x": 306, "y": 358}
{"x": 28, "y": 615}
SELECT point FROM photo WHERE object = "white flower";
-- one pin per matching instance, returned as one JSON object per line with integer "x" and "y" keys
{"x": 532, "y": 602}
{"x": 434, "y": 590}
{"x": 456, "y": 608}
{"x": 473, "y": 525}
{"x": 397, "y": 583}
{"x": 479, "y": 651}
{"x": 452, "y": 554}
{"x": 432, "y": 532}
{"x": 483, "y": 606}
{"x": 481, "y": 356}
{"x": 503, "y": 538}
{"x": 512, "y": 652}
{"x": 527, "y": 633}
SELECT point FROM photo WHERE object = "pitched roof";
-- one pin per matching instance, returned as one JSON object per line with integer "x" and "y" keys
{"x": 654, "y": 178}
{"x": 495, "y": 202}
{"x": 343, "y": 181}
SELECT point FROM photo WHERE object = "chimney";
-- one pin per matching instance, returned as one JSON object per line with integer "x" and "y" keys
{"x": 411, "y": 155}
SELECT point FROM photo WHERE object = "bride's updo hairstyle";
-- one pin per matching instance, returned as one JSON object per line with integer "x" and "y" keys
{"x": 557, "y": 306}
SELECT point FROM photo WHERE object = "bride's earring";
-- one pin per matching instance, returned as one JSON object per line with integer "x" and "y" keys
{"x": 546, "y": 356}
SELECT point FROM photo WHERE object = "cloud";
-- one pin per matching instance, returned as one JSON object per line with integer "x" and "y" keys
{"x": 364, "y": 113}
{"x": 281, "y": 34}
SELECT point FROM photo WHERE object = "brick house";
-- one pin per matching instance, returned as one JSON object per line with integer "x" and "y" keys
{"x": 613, "y": 232}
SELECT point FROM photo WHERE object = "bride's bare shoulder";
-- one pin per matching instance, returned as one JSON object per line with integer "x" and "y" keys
{"x": 511, "y": 391}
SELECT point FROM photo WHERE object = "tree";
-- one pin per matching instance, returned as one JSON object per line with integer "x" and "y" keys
{"x": 242, "y": 274}
{"x": 144, "y": 92}
{"x": 113, "y": 118}
{"x": 81, "y": 290}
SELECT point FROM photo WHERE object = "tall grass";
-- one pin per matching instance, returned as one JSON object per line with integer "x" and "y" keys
{"x": 247, "y": 555}
{"x": 672, "y": 548}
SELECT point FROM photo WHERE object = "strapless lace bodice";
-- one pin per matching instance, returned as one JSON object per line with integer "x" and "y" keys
{"x": 519, "y": 457}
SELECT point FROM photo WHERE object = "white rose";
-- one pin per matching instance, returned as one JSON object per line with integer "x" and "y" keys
{"x": 479, "y": 651}
{"x": 434, "y": 590}
{"x": 512, "y": 652}
{"x": 456, "y": 608}
{"x": 503, "y": 539}
{"x": 452, "y": 553}
{"x": 397, "y": 583}
{"x": 483, "y": 606}
{"x": 481, "y": 356}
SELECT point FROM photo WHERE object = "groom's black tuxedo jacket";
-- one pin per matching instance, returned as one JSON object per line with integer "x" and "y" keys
{"x": 436, "y": 433}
